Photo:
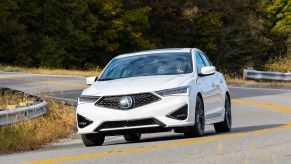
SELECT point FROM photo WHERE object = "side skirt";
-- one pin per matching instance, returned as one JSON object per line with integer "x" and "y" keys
{"x": 215, "y": 120}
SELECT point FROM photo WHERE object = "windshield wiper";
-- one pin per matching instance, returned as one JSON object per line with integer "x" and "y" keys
{"x": 105, "y": 79}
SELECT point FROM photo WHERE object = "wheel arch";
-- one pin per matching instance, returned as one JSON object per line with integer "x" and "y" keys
{"x": 228, "y": 95}
{"x": 200, "y": 95}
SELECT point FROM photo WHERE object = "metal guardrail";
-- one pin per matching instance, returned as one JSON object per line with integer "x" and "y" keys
{"x": 262, "y": 75}
{"x": 69, "y": 102}
{"x": 22, "y": 113}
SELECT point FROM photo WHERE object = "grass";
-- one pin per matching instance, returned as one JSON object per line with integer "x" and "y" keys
{"x": 282, "y": 64}
{"x": 11, "y": 100}
{"x": 261, "y": 83}
{"x": 49, "y": 71}
{"x": 32, "y": 134}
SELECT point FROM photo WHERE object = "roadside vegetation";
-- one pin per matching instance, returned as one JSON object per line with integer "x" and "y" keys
{"x": 258, "y": 83}
{"x": 11, "y": 100}
{"x": 32, "y": 134}
{"x": 52, "y": 71}
{"x": 275, "y": 65}
{"x": 281, "y": 64}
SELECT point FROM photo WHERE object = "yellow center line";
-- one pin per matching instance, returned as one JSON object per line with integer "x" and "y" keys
{"x": 139, "y": 149}
{"x": 178, "y": 143}
{"x": 44, "y": 81}
{"x": 270, "y": 106}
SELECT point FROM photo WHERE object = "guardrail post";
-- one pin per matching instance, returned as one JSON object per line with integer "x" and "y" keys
{"x": 245, "y": 74}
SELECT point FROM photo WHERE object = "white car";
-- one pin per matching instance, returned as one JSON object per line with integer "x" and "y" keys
{"x": 154, "y": 91}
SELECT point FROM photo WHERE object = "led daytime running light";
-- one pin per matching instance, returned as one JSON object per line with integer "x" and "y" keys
{"x": 175, "y": 91}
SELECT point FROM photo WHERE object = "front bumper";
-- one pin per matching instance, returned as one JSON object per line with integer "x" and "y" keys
{"x": 130, "y": 120}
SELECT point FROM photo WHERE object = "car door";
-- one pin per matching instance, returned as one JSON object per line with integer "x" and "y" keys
{"x": 216, "y": 95}
{"x": 206, "y": 88}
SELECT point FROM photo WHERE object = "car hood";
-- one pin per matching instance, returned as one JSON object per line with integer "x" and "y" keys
{"x": 136, "y": 84}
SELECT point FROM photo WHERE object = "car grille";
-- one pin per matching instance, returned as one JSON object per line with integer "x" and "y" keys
{"x": 138, "y": 100}
{"x": 128, "y": 123}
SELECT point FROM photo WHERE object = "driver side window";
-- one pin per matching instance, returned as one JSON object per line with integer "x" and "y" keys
{"x": 199, "y": 62}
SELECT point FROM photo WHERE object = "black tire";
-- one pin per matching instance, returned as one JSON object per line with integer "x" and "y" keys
{"x": 92, "y": 139}
{"x": 132, "y": 137}
{"x": 225, "y": 126}
{"x": 198, "y": 129}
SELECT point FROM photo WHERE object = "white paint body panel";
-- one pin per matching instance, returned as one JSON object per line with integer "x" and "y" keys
{"x": 213, "y": 89}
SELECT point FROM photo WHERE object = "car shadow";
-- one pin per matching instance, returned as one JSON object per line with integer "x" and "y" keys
{"x": 177, "y": 136}
{"x": 164, "y": 136}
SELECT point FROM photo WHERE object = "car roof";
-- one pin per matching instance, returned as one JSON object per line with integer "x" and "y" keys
{"x": 155, "y": 51}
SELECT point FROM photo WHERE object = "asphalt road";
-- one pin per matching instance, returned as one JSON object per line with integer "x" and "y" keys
{"x": 261, "y": 131}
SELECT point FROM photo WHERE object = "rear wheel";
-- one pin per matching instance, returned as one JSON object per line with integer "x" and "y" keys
{"x": 132, "y": 137}
{"x": 92, "y": 139}
{"x": 198, "y": 129}
{"x": 225, "y": 126}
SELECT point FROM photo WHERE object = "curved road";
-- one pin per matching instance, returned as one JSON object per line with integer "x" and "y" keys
{"x": 261, "y": 131}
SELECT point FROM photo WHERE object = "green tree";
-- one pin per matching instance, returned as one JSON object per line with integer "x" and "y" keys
{"x": 183, "y": 23}
{"x": 277, "y": 14}
{"x": 118, "y": 30}
{"x": 227, "y": 31}
{"x": 88, "y": 33}
{"x": 78, "y": 33}
{"x": 12, "y": 34}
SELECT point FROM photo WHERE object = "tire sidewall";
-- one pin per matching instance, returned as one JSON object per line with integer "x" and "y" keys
{"x": 197, "y": 121}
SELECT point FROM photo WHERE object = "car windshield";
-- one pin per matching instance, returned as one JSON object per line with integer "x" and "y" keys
{"x": 148, "y": 65}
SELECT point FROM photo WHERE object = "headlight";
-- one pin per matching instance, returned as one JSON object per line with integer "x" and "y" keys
{"x": 174, "y": 91}
{"x": 88, "y": 99}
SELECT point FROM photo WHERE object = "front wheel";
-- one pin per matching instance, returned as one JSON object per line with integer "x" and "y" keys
{"x": 132, "y": 137}
{"x": 225, "y": 126}
{"x": 198, "y": 129}
{"x": 92, "y": 139}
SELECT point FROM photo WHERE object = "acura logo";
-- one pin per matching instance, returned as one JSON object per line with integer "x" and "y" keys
{"x": 126, "y": 102}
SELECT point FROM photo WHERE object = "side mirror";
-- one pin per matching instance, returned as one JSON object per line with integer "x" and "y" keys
{"x": 208, "y": 70}
{"x": 91, "y": 80}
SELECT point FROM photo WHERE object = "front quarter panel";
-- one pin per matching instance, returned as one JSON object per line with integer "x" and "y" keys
{"x": 194, "y": 90}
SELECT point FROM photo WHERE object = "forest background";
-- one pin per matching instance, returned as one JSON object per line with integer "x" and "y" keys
{"x": 86, "y": 34}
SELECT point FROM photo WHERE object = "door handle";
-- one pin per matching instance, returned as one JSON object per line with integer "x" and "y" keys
{"x": 213, "y": 85}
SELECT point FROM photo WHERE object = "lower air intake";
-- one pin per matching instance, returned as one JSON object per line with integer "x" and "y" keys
{"x": 82, "y": 121}
{"x": 128, "y": 123}
{"x": 179, "y": 114}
